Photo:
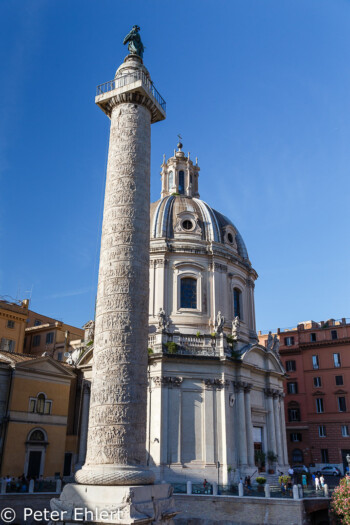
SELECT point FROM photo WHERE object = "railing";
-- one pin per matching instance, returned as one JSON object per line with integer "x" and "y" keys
{"x": 192, "y": 345}
{"x": 17, "y": 486}
{"x": 203, "y": 345}
{"x": 254, "y": 491}
{"x": 130, "y": 78}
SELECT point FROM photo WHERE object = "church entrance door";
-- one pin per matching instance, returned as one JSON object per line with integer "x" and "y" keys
{"x": 34, "y": 463}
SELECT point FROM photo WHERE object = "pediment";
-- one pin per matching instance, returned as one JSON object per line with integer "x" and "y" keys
{"x": 86, "y": 358}
{"x": 45, "y": 365}
{"x": 258, "y": 356}
{"x": 318, "y": 393}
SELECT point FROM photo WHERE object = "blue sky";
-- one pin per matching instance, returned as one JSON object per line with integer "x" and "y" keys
{"x": 259, "y": 90}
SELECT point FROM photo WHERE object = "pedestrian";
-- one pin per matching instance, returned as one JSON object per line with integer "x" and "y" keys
{"x": 313, "y": 480}
{"x": 304, "y": 480}
{"x": 205, "y": 483}
{"x": 322, "y": 481}
{"x": 317, "y": 483}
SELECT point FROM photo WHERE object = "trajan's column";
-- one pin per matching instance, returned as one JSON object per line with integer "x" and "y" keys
{"x": 115, "y": 477}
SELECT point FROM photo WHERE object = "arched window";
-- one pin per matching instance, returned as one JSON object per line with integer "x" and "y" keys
{"x": 37, "y": 435}
{"x": 237, "y": 303}
{"x": 40, "y": 404}
{"x": 181, "y": 182}
{"x": 170, "y": 180}
{"x": 297, "y": 456}
{"x": 188, "y": 293}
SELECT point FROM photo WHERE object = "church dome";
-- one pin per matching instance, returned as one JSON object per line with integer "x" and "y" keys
{"x": 190, "y": 218}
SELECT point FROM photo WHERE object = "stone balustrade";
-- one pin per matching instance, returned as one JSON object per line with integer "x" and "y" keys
{"x": 189, "y": 344}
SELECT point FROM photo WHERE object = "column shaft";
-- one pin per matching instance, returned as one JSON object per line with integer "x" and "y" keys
{"x": 116, "y": 452}
{"x": 276, "y": 407}
{"x": 241, "y": 428}
{"x": 271, "y": 425}
{"x": 249, "y": 428}
{"x": 283, "y": 430}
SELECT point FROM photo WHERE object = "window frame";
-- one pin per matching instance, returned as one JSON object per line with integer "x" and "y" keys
{"x": 298, "y": 434}
{"x": 294, "y": 389}
{"x": 319, "y": 405}
{"x": 36, "y": 340}
{"x": 334, "y": 335}
{"x": 336, "y": 360}
{"x": 346, "y": 434}
{"x": 289, "y": 340}
{"x": 193, "y": 273}
{"x": 322, "y": 431}
{"x": 315, "y": 362}
{"x": 10, "y": 324}
{"x": 33, "y": 405}
{"x": 313, "y": 337}
{"x": 296, "y": 412}
{"x": 342, "y": 380}
{"x": 237, "y": 292}
{"x": 294, "y": 366}
{"x": 47, "y": 338}
{"x": 339, "y": 403}
{"x": 319, "y": 385}
{"x": 181, "y": 173}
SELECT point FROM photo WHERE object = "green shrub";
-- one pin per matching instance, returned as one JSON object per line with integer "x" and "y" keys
{"x": 172, "y": 348}
{"x": 150, "y": 351}
{"x": 261, "y": 480}
{"x": 198, "y": 334}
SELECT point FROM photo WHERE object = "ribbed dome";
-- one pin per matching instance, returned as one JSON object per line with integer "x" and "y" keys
{"x": 165, "y": 213}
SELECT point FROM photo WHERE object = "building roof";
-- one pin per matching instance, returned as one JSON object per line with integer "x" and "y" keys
{"x": 164, "y": 217}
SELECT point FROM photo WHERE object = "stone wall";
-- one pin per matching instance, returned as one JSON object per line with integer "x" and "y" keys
{"x": 212, "y": 510}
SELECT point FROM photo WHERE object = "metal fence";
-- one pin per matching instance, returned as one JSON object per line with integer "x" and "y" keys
{"x": 130, "y": 78}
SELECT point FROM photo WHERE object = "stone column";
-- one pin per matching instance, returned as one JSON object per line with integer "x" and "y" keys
{"x": 115, "y": 476}
{"x": 249, "y": 425}
{"x": 241, "y": 425}
{"x": 84, "y": 423}
{"x": 116, "y": 453}
{"x": 283, "y": 430}
{"x": 279, "y": 446}
{"x": 271, "y": 433}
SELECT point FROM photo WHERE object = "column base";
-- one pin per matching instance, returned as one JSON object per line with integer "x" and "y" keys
{"x": 114, "y": 475}
{"x": 120, "y": 505}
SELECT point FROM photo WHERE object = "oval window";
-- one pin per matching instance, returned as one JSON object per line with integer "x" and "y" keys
{"x": 187, "y": 224}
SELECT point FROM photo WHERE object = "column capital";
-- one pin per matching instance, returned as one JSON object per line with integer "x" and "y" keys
{"x": 167, "y": 380}
{"x": 242, "y": 385}
{"x": 216, "y": 383}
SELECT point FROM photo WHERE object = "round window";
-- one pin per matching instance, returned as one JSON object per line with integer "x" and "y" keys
{"x": 230, "y": 237}
{"x": 187, "y": 225}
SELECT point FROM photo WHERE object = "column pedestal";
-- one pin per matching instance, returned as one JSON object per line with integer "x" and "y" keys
{"x": 122, "y": 505}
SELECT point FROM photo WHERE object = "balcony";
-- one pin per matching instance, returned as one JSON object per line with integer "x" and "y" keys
{"x": 189, "y": 345}
{"x": 139, "y": 79}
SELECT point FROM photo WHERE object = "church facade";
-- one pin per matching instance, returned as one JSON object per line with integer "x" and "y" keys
{"x": 215, "y": 396}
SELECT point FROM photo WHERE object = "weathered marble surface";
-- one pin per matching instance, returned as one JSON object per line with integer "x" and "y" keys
{"x": 116, "y": 451}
